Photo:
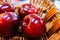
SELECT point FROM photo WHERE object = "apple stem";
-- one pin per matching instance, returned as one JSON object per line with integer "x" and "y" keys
{"x": 16, "y": 11}
{"x": 40, "y": 12}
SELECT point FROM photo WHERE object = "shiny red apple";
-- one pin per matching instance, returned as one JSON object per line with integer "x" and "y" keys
{"x": 33, "y": 26}
{"x": 9, "y": 23}
{"x": 28, "y": 9}
{"x": 5, "y": 7}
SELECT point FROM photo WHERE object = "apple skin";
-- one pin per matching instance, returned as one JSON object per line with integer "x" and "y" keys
{"x": 9, "y": 24}
{"x": 33, "y": 26}
{"x": 6, "y": 7}
{"x": 28, "y": 9}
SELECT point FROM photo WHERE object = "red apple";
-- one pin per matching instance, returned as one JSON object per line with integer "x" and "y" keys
{"x": 9, "y": 23}
{"x": 5, "y": 7}
{"x": 33, "y": 26}
{"x": 28, "y": 9}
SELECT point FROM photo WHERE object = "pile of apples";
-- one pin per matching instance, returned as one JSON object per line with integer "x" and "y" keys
{"x": 32, "y": 25}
